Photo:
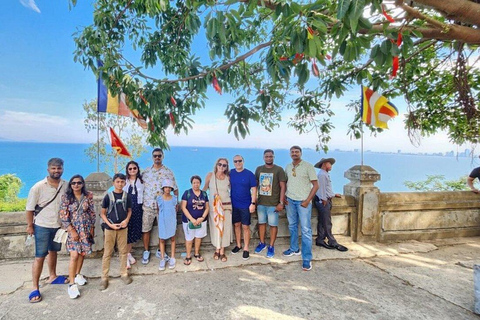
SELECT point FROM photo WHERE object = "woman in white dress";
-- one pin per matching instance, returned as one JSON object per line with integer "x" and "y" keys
{"x": 220, "y": 218}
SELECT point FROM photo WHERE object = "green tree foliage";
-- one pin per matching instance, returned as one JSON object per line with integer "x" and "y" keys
{"x": 10, "y": 186}
{"x": 438, "y": 183}
{"x": 126, "y": 128}
{"x": 276, "y": 55}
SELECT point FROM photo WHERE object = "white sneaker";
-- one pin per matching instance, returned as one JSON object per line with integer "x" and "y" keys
{"x": 80, "y": 280}
{"x": 131, "y": 259}
{"x": 128, "y": 265}
{"x": 171, "y": 263}
{"x": 158, "y": 254}
{"x": 161, "y": 267}
{"x": 73, "y": 292}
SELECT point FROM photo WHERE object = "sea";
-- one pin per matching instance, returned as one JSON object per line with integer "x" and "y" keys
{"x": 28, "y": 161}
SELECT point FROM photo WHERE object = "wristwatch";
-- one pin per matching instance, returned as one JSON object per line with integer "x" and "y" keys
{"x": 253, "y": 203}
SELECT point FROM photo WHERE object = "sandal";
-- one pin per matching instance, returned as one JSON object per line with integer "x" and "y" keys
{"x": 35, "y": 296}
{"x": 198, "y": 257}
{"x": 216, "y": 255}
{"x": 187, "y": 261}
{"x": 223, "y": 258}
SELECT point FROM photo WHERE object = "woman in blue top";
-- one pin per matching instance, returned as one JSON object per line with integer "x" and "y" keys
{"x": 195, "y": 211}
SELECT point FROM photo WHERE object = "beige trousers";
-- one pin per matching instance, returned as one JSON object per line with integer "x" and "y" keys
{"x": 112, "y": 237}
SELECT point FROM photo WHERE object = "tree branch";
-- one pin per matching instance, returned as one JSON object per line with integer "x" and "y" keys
{"x": 459, "y": 10}
{"x": 454, "y": 32}
{"x": 203, "y": 74}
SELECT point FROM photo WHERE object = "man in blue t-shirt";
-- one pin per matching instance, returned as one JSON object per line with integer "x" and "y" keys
{"x": 244, "y": 194}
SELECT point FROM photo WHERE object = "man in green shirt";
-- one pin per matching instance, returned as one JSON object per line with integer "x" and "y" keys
{"x": 271, "y": 197}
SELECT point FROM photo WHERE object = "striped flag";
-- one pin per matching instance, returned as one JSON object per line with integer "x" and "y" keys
{"x": 118, "y": 145}
{"x": 376, "y": 109}
{"x": 106, "y": 102}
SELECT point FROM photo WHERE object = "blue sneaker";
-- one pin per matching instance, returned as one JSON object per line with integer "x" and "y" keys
{"x": 307, "y": 265}
{"x": 261, "y": 246}
{"x": 158, "y": 254}
{"x": 290, "y": 252}
{"x": 146, "y": 257}
{"x": 161, "y": 267}
{"x": 270, "y": 251}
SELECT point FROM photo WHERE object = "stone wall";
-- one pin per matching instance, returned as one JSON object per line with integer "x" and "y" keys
{"x": 363, "y": 212}
{"x": 13, "y": 226}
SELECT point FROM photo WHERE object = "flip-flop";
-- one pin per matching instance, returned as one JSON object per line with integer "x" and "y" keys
{"x": 60, "y": 280}
{"x": 35, "y": 294}
{"x": 198, "y": 257}
{"x": 187, "y": 261}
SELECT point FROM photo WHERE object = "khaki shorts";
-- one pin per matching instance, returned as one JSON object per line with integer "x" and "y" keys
{"x": 149, "y": 216}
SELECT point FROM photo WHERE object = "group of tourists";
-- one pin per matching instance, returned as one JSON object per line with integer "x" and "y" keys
{"x": 58, "y": 209}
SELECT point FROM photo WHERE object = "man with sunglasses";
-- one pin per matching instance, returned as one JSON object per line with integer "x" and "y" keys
{"x": 43, "y": 221}
{"x": 244, "y": 194}
{"x": 302, "y": 185}
{"x": 152, "y": 181}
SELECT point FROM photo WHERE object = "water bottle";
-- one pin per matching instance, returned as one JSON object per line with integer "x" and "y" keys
{"x": 29, "y": 240}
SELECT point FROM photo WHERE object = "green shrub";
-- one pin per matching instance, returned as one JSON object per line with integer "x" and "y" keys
{"x": 10, "y": 186}
{"x": 18, "y": 205}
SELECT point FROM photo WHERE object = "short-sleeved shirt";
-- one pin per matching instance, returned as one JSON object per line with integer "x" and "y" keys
{"x": 241, "y": 183}
{"x": 300, "y": 184}
{"x": 152, "y": 183}
{"x": 195, "y": 205}
{"x": 120, "y": 214}
{"x": 40, "y": 194}
{"x": 475, "y": 173}
{"x": 268, "y": 180}
{"x": 325, "y": 190}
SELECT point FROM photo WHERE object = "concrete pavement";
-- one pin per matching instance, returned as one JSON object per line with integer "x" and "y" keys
{"x": 408, "y": 280}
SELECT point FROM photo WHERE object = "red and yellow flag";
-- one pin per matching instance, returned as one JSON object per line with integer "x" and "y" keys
{"x": 118, "y": 145}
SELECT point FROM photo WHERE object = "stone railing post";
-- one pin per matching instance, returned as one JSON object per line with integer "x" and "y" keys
{"x": 98, "y": 183}
{"x": 364, "y": 225}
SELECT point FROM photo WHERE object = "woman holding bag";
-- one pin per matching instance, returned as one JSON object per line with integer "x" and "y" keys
{"x": 77, "y": 213}
{"x": 195, "y": 211}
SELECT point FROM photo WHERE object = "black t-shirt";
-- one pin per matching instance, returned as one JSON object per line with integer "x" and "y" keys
{"x": 120, "y": 214}
{"x": 475, "y": 173}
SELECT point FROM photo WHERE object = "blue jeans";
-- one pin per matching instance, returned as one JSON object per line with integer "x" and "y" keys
{"x": 296, "y": 213}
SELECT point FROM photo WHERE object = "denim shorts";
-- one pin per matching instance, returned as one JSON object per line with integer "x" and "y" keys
{"x": 241, "y": 215}
{"x": 269, "y": 212}
{"x": 44, "y": 241}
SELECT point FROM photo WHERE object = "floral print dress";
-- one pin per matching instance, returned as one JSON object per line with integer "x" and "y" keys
{"x": 81, "y": 215}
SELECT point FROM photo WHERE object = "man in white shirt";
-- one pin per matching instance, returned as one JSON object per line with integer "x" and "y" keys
{"x": 45, "y": 195}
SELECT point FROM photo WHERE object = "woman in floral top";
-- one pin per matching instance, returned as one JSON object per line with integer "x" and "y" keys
{"x": 77, "y": 213}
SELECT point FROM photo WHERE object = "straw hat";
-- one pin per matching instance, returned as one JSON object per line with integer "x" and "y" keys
{"x": 319, "y": 163}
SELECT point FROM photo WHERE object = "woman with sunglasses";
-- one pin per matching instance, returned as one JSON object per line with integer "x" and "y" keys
{"x": 134, "y": 187}
{"x": 77, "y": 212}
{"x": 220, "y": 218}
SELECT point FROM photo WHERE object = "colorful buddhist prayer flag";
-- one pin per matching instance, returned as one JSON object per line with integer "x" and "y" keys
{"x": 118, "y": 145}
{"x": 106, "y": 102}
{"x": 376, "y": 109}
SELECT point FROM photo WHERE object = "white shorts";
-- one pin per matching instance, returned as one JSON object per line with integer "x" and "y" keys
{"x": 191, "y": 234}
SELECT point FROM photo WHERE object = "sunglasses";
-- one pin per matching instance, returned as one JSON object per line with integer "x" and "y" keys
{"x": 222, "y": 165}
{"x": 158, "y": 155}
{"x": 237, "y": 161}
{"x": 132, "y": 168}
{"x": 77, "y": 183}
{"x": 293, "y": 172}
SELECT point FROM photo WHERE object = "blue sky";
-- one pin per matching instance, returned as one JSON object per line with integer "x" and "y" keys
{"x": 42, "y": 91}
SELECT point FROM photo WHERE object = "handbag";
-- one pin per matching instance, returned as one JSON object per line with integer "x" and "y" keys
{"x": 192, "y": 226}
{"x": 61, "y": 236}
